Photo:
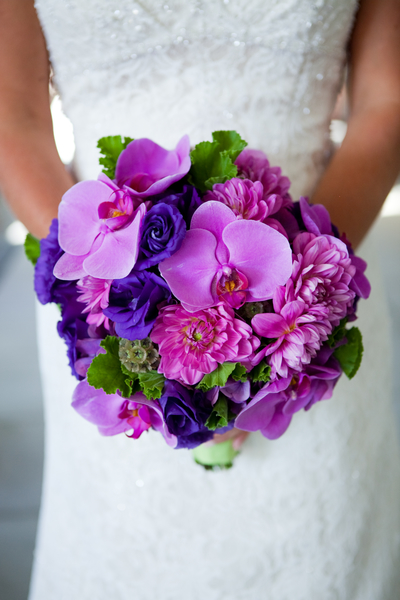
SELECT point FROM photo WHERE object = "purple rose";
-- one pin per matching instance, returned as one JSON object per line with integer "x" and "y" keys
{"x": 163, "y": 230}
{"x": 187, "y": 201}
{"x": 45, "y": 282}
{"x": 133, "y": 303}
{"x": 185, "y": 414}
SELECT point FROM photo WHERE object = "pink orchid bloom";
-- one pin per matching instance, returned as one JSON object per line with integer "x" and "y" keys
{"x": 98, "y": 231}
{"x": 145, "y": 168}
{"x": 223, "y": 258}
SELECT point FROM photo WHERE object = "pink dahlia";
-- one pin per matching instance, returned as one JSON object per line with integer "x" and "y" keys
{"x": 254, "y": 165}
{"x": 95, "y": 293}
{"x": 194, "y": 344}
{"x": 322, "y": 275}
{"x": 298, "y": 333}
{"x": 243, "y": 196}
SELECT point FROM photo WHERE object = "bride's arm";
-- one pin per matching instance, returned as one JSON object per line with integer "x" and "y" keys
{"x": 365, "y": 167}
{"x": 32, "y": 177}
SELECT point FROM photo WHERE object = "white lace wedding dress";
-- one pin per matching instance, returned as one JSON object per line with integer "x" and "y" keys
{"x": 314, "y": 515}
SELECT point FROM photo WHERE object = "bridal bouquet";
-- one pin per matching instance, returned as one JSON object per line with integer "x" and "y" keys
{"x": 195, "y": 295}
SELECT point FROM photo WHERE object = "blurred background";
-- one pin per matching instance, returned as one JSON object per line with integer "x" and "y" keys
{"x": 21, "y": 417}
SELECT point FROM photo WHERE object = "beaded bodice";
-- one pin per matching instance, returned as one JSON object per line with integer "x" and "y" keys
{"x": 157, "y": 69}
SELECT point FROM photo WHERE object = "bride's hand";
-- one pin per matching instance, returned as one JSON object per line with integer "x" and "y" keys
{"x": 32, "y": 176}
{"x": 365, "y": 167}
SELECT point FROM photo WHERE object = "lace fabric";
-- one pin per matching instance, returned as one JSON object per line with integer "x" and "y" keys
{"x": 313, "y": 515}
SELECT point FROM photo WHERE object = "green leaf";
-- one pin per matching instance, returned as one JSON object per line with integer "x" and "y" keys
{"x": 239, "y": 373}
{"x": 218, "y": 377}
{"x": 338, "y": 333}
{"x": 105, "y": 370}
{"x": 212, "y": 162}
{"x": 350, "y": 354}
{"x": 111, "y": 147}
{"x": 32, "y": 248}
{"x": 261, "y": 372}
{"x": 219, "y": 415}
{"x": 230, "y": 142}
{"x": 152, "y": 384}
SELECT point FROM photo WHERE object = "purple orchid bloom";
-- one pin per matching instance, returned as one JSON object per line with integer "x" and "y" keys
{"x": 226, "y": 259}
{"x": 145, "y": 168}
{"x": 99, "y": 227}
{"x": 113, "y": 414}
{"x": 271, "y": 410}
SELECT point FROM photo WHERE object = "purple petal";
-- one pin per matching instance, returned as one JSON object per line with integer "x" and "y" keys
{"x": 190, "y": 271}
{"x": 269, "y": 325}
{"x": 148, "y": 169}
{"x": 214, "y": 216}
{"x": 99, "y": 408}
{"x": 117, "y": 254}
{"x": 256, "y": 415}
{"x": 70, "y": 267}
{"x": 78, "y": 216}
{"x": 277, "y": 425}
{"x": 315, "y": 218}
{"x": 262, "y": 254}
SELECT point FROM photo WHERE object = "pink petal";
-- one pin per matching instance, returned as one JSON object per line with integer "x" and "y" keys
{"x": 78, "y": 217}
{"x": 269, "y": 325}
{"x": 151, "y": 168}
{"x": 261, "y": 253}
{"x": 117, "y": 254}
{"x": 70, "y": 267}
{"x": 214, "y": 216}
{"x": 190, "y": 271}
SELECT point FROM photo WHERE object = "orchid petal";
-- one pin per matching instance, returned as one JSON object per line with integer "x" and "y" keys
{"x": 78, "y": 216}
{"x": 70, "y": 267}
{"x": 190, "y": 271}
{"x": 261, "y": 253}
{"x": 214, "y": 217}
{"x": 117, "y": 254}
{"x": 150, "y": 168}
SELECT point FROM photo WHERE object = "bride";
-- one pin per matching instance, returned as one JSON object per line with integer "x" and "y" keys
{"x": 315, "y": 514}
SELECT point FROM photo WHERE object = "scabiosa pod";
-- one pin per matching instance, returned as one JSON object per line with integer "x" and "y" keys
{"x": 193, "y": 344}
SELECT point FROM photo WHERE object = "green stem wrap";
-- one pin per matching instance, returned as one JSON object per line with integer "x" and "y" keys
{"x": 216, "y": 455}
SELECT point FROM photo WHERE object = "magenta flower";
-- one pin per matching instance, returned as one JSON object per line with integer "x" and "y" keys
{"x": 298, "y": 333}
{"x": 315, "y": 217}
{"x": 272, "y": 408}
{"x": 223, "y": 258}
{"x": 145, "y": 168}
{"x": 193, "y": 344}
{"x": 322, "y": 274}
{"x": 94, "y": 293}
{"x": 113, "y": 414}
{"x": 254, "y": 165}
{"x": 98, "y": 230}
{"x": 242, "y": 196}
